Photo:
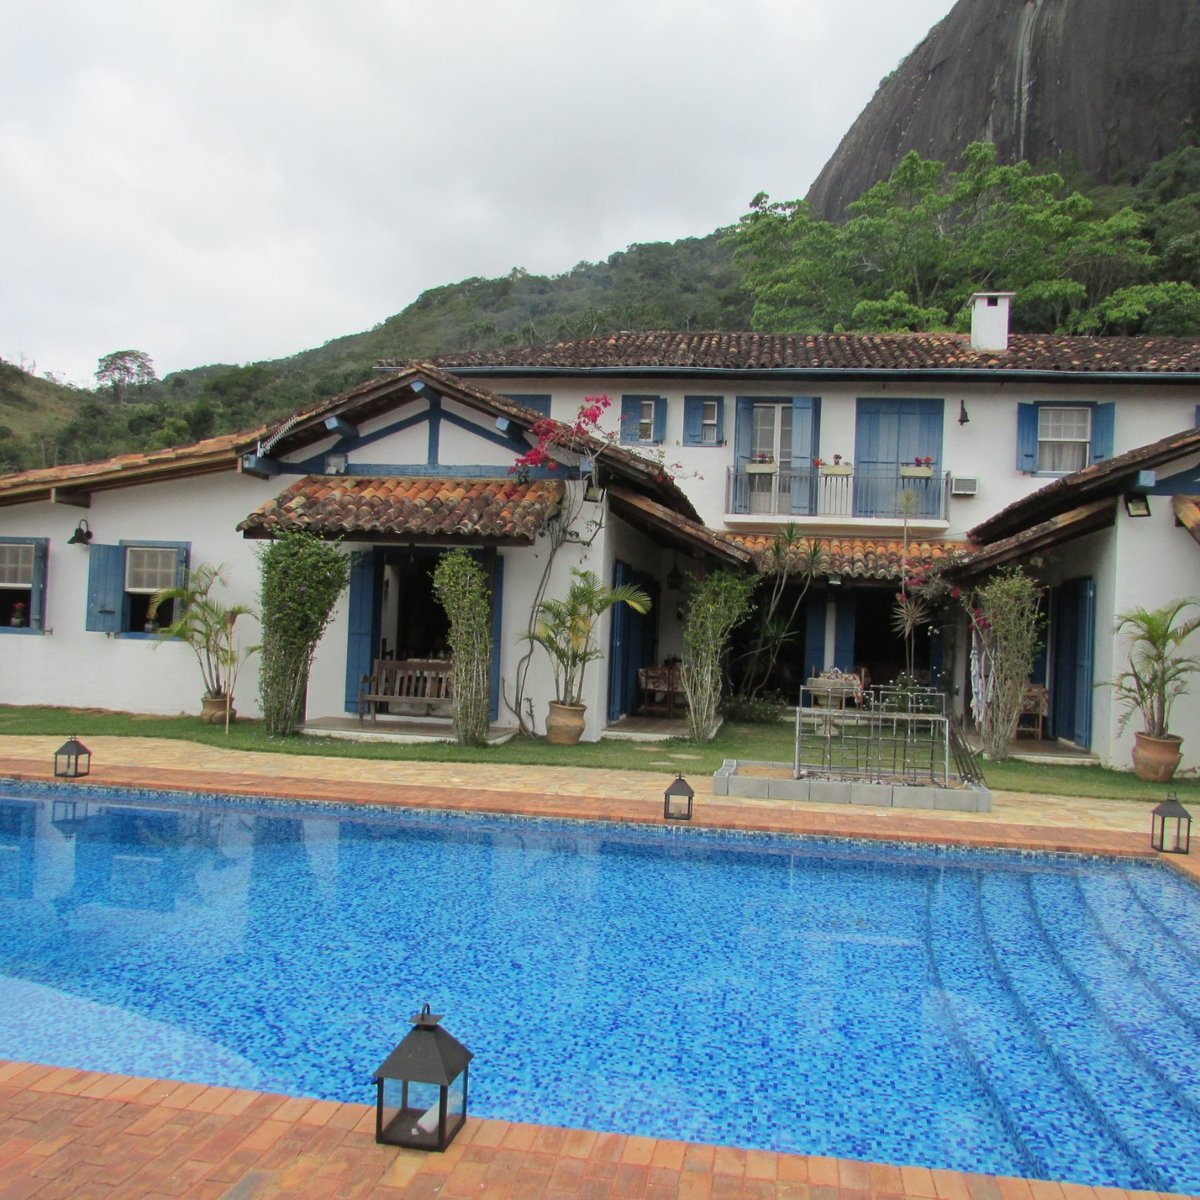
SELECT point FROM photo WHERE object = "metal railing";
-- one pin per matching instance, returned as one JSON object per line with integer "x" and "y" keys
{"x": 891, "y": 492}
{"x": 892, "y": 735}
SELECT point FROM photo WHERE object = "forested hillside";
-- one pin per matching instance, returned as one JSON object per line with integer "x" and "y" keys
{"x": 689, "y": 284}
{"x": 1118, "y": 259}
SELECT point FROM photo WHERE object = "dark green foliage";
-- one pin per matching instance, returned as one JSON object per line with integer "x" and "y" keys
{"x": 916, "y": 245}
{"x": 302, "y": 578}
{"x": 461, "y": 589}
{"x": 754, "y": 710}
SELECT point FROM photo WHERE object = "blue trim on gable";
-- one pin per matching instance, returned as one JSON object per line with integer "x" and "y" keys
{"x": 435, "y": 429}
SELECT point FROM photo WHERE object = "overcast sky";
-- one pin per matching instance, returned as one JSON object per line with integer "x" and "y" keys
{"x": 235, "y": 180}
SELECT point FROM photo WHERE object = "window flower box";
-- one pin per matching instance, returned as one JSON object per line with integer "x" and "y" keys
{"x": 761, "y": 468}
{"x": 914, "y": 472}
{"x": 837, "y": 469}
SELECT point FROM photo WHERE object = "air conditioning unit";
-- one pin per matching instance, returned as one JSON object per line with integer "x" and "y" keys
{"x": 964, "y": 485}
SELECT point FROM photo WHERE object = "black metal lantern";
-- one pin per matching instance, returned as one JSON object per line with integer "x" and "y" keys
{"x": 421, "y": 1088}
{"x": 72, "y": 760}
{"x": 1171, "y": 827}
{"x": 677, "y": 801}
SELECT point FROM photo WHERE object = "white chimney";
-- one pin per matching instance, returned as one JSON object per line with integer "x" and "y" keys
{"x": 989, "y": 321}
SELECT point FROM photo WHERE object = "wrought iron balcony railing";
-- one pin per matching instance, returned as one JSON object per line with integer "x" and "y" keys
{"x": 890, "y": 492}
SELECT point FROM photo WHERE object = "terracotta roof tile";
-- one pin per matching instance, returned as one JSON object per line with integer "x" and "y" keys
{"x": 855, "y": 558}
{"x": 409, "y": 506}
{"x": 846, "y": 352}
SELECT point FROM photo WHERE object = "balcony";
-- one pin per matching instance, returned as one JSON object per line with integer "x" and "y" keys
{"x": 891, "y": 493}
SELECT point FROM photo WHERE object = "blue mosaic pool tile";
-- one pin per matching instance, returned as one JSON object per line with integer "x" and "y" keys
{"x": 979, "y": 1010}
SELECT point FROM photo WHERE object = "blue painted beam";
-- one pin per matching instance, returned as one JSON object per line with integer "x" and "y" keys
{"x": 259, "y": 466}
{"x": 340, "y": 427}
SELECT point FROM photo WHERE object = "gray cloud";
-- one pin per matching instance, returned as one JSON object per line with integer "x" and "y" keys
{"x": 242, "y": 179}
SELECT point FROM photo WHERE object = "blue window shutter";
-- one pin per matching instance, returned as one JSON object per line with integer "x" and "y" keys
{"x": 497, "y": 624}
{"x": 1103, "y": 421}
{"x": 814, "y": 634}
{"x": 743, "y": 432}
{"x": 360, "y": 643}
{"x": 660, "y": 420}
{"x": 181, "y": 566}
{"x": 693, "y": 421}
{"x": 1196, "y": 417}
{"x": 631, "y": 410}
{"x": 843, "y": 632}
{"x": 1027, "y": 439}
{"x": 37, "y": 594}
{"x": 106, "y": 588}
{"x": 720, "y": 420}
{"x": 804, "y": 444}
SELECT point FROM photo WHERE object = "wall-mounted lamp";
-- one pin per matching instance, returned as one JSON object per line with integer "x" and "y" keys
{"x": 963, "y": 418}
{"x": 1137, "y": 506}
{"x": 82, "y": 535}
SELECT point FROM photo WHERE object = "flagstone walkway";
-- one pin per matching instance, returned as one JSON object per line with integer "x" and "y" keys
{"x": 68, "y": 1133}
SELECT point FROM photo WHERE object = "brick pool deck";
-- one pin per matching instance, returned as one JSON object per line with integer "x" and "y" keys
{"x": 79, "y": 1134}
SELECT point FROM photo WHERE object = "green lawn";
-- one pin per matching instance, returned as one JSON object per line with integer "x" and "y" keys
{"x": 766, "y": 742}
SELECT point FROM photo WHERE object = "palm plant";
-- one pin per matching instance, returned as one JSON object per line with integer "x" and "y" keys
{"x": 564, "y": 628}
{"x": 1158, "y": 670}
{"x": 207, "y": 626}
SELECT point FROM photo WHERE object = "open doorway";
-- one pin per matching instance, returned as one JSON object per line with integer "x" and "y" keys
{"x": 412, "y": 622}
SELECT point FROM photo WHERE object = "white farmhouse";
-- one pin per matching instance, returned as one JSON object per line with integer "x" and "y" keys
{"x": 716, "y": 441}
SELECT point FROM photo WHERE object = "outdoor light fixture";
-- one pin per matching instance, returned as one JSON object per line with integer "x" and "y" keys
{"x": 72, "y": 760}
{"x": 963, "y": 419}
{"x": 421, "y": 1088}
{"x": 674, "y": 577}
{"x": 1171, "y": 827}
{"x": 1137, "y": 506}
{"x": 677, "y": 801}
{"x": 82, "y": 535}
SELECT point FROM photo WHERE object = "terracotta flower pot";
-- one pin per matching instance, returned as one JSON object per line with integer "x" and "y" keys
{"x": 564, "y": 723}
{"x": 212, "y": 710}
{"x": 1155, "y": 758}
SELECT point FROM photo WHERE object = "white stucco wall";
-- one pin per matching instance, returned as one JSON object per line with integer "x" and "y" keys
{"x": 67, "y": 665}
{"x": 986, "y": 446}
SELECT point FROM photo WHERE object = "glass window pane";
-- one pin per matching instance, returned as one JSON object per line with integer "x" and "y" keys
{"x": 149, "y": 568}
{"x": 16, "y": 564}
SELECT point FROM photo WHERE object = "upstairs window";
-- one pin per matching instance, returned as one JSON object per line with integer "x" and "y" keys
{"x": 1056, "y": 439}
{"x": 1064, "y": 439}
{"x": 22, "y": 584}
{"x": 704, "y": 420}
{"x": 643, "y": 420}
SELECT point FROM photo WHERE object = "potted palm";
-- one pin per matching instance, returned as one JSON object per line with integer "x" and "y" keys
{"x": 564, "y": 629}
{"x": 1155, "y": 677}
{"x": 207, "y": 626}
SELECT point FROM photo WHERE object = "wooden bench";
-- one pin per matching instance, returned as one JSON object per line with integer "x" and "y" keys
{"x": 411, "y": 687}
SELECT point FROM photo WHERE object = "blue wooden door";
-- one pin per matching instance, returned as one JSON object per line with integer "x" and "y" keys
{"x": 1073, "y": 615}
{"x": 890, "y": 433}
{"x": 632, "y": 643}
{"x": 362, "y": 634}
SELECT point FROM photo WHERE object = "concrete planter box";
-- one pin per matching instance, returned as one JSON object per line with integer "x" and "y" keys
{"x": 821, "y": 790}
{"x": 878, "y": 795}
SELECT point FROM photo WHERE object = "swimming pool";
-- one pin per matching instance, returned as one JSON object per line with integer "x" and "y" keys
{"x": 1010, "y": 1014}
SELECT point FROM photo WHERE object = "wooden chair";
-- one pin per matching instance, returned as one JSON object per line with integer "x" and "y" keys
{"x": 1035, "y": 708}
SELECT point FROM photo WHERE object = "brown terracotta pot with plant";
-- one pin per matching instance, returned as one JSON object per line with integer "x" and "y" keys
{"x": 1156, "y": 676}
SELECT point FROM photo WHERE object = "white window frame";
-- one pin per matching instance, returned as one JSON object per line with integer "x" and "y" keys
{"x": 1051, "y": 447}
{"x": 709, "y": 422}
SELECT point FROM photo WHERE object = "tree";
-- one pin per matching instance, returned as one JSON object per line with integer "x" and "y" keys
{"x": 123, "y": 369}
{"x": 302, "y": 578}
{"x": 1006, "y": 627}
{"x": 917, "y": 244}
{"x": 461, "y": 588}
{"x": 716, "y": 605}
